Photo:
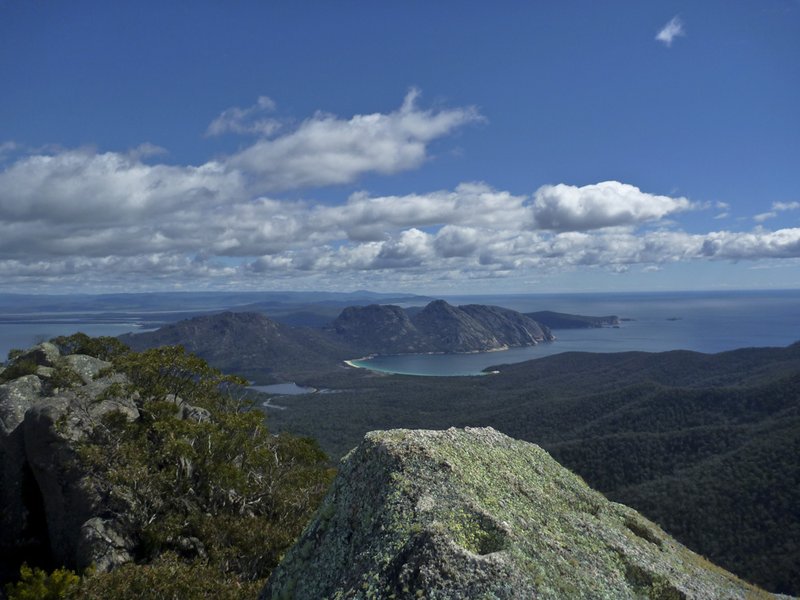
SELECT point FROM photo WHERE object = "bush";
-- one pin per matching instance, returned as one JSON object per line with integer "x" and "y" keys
{"x": 219, "y": 488}
{"x": 18, "y": 368}
{"x": 35, "y": 584}
{"x": 167, "y": 578}
{"x": 103, "y": 347}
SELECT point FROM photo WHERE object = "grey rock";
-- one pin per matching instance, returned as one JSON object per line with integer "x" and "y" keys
{"x": 475, "y": 514}
{"x": 44, "y": 372}
{"x": 86, "y": 367}
{"x": 188, "y": 412}
{"x": 42, "y": 484}
{"x": 51, "y": 430}
{"x": 16, "y": 397}
{"x": 101, "y": 543}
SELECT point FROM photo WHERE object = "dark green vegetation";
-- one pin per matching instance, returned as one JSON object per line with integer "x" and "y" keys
{"x": 197, "y": 497}
{"x": 705, "y": 445}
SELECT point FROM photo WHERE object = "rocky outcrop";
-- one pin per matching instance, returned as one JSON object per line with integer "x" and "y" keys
{"x": 475, "y": 514}
{"x": 16, "y": 397}
{"x": 438, "y": 327}
{"x": 50, "y": 508}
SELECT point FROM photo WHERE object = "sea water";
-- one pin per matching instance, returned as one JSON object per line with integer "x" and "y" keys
{"x": 25, "y": 335}
{"x": 653, "y": 322}
{"x": 700, "y": 321}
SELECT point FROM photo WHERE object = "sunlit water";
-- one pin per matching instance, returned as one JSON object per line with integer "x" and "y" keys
{"x": 704, "y": 322}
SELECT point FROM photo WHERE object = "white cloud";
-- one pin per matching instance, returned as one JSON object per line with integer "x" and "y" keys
{"x": 85, "y": 218}
{"x": 783, "y": 243}
{"x": 670, "y": 31}
{"x": 607, "y": 204}
{"x": 777, "y": 207}
{"x": 250, "y": 120}
{"x": 761, "y": 217}
{"x": 326, "y": 150}
{"x": 83, "y": 187}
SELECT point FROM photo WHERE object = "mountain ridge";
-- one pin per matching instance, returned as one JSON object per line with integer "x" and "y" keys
{"x": 438, "y": 327}
{"x": 260, "y": 348}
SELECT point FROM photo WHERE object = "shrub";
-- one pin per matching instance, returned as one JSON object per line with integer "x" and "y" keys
{"x": 36, "y": 584}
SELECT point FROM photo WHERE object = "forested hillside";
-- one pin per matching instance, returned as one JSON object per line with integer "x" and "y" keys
{"x": 706, "y": 445}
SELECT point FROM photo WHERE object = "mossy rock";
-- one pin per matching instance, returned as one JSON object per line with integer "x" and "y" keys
{"x": 473, "y": 513}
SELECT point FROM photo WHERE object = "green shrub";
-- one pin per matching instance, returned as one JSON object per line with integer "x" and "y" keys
{"x": 221, "y": 489}
{"x": 103, "y": 347}
{"x": 36, "y": 584}
{"x": 19, "y": 368}
{"x": 15, "y": 353}
{"x": 167, "y": 578}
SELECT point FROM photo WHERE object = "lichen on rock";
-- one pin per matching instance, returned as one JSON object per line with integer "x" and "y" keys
{"x": 475, "y": 514}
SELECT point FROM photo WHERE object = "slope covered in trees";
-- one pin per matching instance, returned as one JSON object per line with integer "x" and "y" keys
{"x": 706, "y": 445}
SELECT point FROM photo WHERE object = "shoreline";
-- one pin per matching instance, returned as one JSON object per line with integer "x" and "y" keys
{"x": 351, "y": 362}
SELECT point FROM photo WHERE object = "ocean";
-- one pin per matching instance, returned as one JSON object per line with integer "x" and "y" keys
{"x": 700, "y": 321}
{"x": 25, "y": 335}
{"x": 654, "y": 322}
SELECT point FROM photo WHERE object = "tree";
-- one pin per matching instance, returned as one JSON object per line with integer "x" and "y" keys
{"x": 196, "y": 480}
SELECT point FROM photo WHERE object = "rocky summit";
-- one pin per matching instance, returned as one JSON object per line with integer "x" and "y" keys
{"x": 51, "y": 509}
{"x": 473, "y": 513}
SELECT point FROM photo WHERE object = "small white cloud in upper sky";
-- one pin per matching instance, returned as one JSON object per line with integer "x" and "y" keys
{"x": 248, "y": 120}
{"x": 670, "y": 31}
{"x": 776, "y": 208}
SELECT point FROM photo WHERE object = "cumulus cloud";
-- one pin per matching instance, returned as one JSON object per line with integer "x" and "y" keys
{"x": 84, "y": 187}
{"x": 607, "y": 204}
{"x": 670, "y": 31}
{"x": 326, "y": 150}
{"x": 89, "y": 218}
{"x": 783, "y": 243}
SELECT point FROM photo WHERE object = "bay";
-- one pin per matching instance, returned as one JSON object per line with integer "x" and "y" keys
{"x": 700, "y": 321}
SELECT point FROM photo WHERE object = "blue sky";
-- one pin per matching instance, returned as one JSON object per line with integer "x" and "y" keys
{"x": 446, "y": 147}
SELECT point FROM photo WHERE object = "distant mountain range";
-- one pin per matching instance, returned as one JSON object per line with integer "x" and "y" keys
{"x": 260, "y": 348}
{"x": 439, "y": 327}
